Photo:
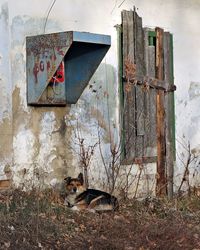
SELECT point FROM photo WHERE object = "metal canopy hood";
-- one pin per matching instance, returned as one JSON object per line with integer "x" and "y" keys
{"x": 81, "y": 53}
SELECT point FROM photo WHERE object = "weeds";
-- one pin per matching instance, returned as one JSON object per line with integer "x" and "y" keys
{"x": 35, "y": 221}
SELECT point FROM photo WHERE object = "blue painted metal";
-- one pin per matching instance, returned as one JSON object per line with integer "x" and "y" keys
{"x": 81, "y": 52}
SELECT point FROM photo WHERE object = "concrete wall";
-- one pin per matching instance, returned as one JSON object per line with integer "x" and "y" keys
{"x": 38, "y": 145}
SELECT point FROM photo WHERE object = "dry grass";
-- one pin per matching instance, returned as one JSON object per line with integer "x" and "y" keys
{"x": 33, "y": 221}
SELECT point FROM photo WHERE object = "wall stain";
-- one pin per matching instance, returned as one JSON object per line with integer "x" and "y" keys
{"x": 6, "y": 140}
{"x": 102, "y": 123}
{"x": 44, "y": 131}
{"x": 60, "y": 137}
{"x": 53, "y": 159}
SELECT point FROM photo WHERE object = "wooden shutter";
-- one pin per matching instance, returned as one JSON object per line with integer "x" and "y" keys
{"x": 139, "y": 105}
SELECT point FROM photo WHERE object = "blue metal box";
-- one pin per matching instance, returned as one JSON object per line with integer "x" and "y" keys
{"x": 60, "y": 65}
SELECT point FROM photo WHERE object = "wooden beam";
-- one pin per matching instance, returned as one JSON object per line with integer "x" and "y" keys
{"x": 160, "y": 118}
{"x": 169, "y": 115}
{"x": 152, "y": 83}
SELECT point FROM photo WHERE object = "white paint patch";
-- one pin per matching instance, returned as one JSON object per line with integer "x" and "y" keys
{"x": 23, "y": 145}
{"x": 32, "y": 165}
{"x": 5, "y": 83}
{"x": 47, "y": 150}
{"x": 23, "y": 148}
{"x": 2, "y": 174}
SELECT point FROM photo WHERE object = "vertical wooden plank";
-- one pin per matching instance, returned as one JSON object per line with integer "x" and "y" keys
{"x": 140, "y": 117}
{"x": 150, "y": 110}
{"x": 140, "y": 95}
{"x": 172, "y": 96}
{"x": 139, "y": 49}
{"x": 146, "y": 48}
{"x": 152, "y": 103}
{"x": 151, "y": 61}
{"x": 169, "y": 160}
{"x": 169, "y": 116}
{"x": 159, "y": 54}
{"x": 160, "y": 118}
{"x": 168, "y": 107}
{"x": 161, "y": 161}
{"x": 128, "y": 39}
{"x": 121, "y": 92}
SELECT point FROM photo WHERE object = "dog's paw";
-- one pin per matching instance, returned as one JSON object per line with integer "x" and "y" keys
{"x": 92, "y": 210}
{"x": 75, "y": 208}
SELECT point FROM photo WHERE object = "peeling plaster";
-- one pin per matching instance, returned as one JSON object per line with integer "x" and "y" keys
{"x": 48, "y": 151}
{"x": 36, "y": 143}
{"x": 49, "y": 130}
{"x": 34, "y": 129}
{"x": 23, "y": 148}
{"x": 5, "y": 84}
{"x": 6, "y": 136}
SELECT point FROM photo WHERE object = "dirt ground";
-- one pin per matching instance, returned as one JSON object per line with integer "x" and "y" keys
{"x": 36, "y": 221}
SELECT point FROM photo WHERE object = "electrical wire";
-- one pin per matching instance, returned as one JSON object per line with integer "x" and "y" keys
{"x": 54, "y": 1}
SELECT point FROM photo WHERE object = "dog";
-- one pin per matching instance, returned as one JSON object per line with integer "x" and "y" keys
{"x": 79, "y": 198}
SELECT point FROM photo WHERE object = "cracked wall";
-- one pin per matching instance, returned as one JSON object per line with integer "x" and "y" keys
{"x": 38, "y": 145}
{"x": 40, "y": 141}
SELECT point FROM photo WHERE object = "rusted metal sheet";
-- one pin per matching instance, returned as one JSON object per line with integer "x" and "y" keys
{"x": 79, "y": 52}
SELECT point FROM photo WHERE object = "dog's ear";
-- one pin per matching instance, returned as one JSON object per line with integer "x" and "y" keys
{"x": 67, "y": 180}
{"x": 80, "y": 178}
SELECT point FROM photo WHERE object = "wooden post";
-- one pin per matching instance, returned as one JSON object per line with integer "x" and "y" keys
{"x": 169, "y": 115}
{"x": 160, "y": 119}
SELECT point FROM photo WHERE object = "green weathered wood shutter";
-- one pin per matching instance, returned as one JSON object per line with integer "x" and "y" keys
{"x": 139, "y": 104}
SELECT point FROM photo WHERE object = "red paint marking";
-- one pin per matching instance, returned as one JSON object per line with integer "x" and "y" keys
{"x": 48, "y": 65}
{"x": 59, "y": 76}
{"x": 35, "y": 72}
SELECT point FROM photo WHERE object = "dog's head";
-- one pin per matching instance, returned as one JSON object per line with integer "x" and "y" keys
{"x": 74, "y": 185}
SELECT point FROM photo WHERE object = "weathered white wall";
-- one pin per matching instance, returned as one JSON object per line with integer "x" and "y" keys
{"x": 35, "y": 143}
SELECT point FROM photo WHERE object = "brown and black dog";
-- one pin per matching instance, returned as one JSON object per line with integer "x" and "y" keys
{"x": 78, "y": 197}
